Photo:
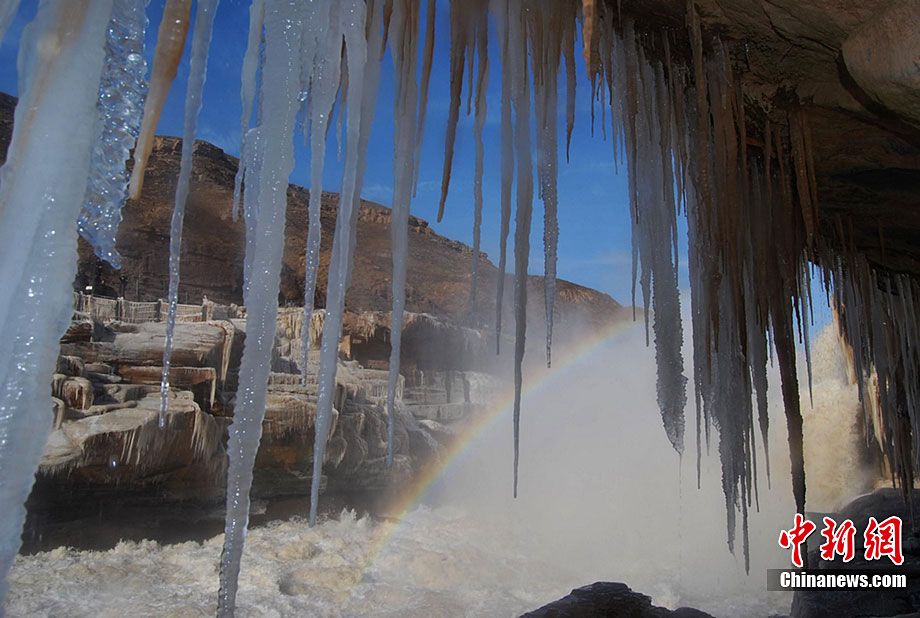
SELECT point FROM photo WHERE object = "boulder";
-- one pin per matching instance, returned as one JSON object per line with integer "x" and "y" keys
{"x": 127, "y": 446}
{"x": 195, "y": 344}
{"x": 609, "y": 599}
{"x": 80, "y": 329}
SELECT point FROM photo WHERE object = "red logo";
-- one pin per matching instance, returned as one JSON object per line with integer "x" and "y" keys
{"x": 884, "y": 539}
{"x": 838, "y": 540}
{"x": 881, "y": 539}
{"x": 795, "y": 536}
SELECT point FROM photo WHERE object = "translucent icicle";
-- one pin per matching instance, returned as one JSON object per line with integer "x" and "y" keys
{"x": 170, "y": 45}
{"x": 42, "y": 185}
{"x": 119, "y": 109}
{"x": 482, "y": 84}
{"x": 248, "y": 92}
{"x": 363, "y": 68}
{"x": 517, "y": 51}
{"x": 324, "y": 82}
{"x": 427, "y": 61}
{"x": 501, "y": 10}
{"x": 280, "y": 90}
{"x": 198, "y": 67}
{"x": 404, "y": 41}
{"x": 547, "y": 50}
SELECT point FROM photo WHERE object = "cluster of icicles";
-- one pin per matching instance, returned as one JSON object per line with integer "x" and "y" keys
{"x": 746, "y": 186}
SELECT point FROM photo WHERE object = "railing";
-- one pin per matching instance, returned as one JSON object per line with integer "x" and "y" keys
{"x": 102, "y": 309}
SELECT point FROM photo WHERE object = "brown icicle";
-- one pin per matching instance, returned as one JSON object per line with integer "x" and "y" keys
{"x": 170, "y": 45}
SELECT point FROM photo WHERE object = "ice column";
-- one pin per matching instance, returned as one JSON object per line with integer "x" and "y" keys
{"x": 201, "y": 42}
{"x": 280, "y": 90}
{"x": 119, "y": 110}
{"x": 42, "y": 186}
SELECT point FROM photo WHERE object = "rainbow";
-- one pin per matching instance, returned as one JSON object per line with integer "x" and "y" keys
{"x": 414, "y": 493}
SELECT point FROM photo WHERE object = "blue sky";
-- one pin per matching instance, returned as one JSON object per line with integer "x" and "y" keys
{"x": 594, "y": 244}
{"x": 594, "y": 240}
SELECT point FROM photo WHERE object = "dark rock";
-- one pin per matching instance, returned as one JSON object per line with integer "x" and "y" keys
{"x": 609, "y": 599}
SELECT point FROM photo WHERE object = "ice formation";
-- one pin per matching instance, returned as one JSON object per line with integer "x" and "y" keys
{"x": 321, "y": 75}
{"x": 403, "y": 30}
{"x": 363, "y": 62}
{"x": 248, "y": 72}
{"x": 743, "y": 175}
{"x": 274, "y": 160}
{"x": 201, "y": 42}
{"x": 42, "y": 185}
{"x": 121, "y": 100}
{"x": 170, "y": 45}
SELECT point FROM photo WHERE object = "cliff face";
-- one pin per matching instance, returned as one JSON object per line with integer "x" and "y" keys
{"x": 214, "y": 246}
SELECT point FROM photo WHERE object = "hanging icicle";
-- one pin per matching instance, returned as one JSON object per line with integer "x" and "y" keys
{"x": 42, "y": 186}
{"x": 517, "y": 56}
{"x": 274, "y": 158}
{"x": 198, "y": 66}
{"x": 170, "y": 45}
{"x": 247, "y": 93}
{"x": 322, "y": 54}
{"x": 121, "y": 100}
{"x": 363, "y": 61}
{"x": 404, "y": 43}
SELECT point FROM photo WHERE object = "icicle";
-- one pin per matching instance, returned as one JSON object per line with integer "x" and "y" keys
{"x": 502, "y": 16}
{"x": 42, "y": 185}
{"x": 170, "y": 45}
{"x": 458, "y": 45}
{"x": 482, "y": 84}
{"x": 568, "y": 51}
{"x": 198, "y": 67}
{"x": 517, "y": 53}
{"x": 324, "y": 82}
{"x": 404, "y": 41}
{"x": 427, "y": 61}
{"x": 248, "y": 92}
{"x": 588, "y": 10}
{"x": 121, "y": 101}
{"x": 280, "y": 90}
{"x": 364, "y": 69}
{"x": 8, "y": 9}
{"x": 546, "y": 59}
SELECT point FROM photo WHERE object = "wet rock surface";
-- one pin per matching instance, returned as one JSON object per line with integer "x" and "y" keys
{"x": 609, "y": 600}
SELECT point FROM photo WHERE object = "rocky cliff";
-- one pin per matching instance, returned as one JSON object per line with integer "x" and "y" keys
{"x": 214, "y": 244}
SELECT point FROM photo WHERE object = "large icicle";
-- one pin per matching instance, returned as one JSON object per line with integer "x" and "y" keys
{"x": 323, "y": 55}
{"x": 501, "y": 10}
{"x": 42, "y": 185}
{"x": 363, "y": 66}
{"x": 404, "y": 44}
{"x": 280, "y": 101}
{"x": 517, "y": 52}
{"x": 459, "y": 44}
{"x": 248, "y": 92}
{"x": 119, "y": 109}
{"x": 546, "y": 52}
{"x": 198, "y": 66}
{"x": 481, "y": 38}
{"x": 170, "y": 45}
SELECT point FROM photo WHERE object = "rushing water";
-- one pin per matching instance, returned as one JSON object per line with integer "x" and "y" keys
{"x": 603, "y": 496}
